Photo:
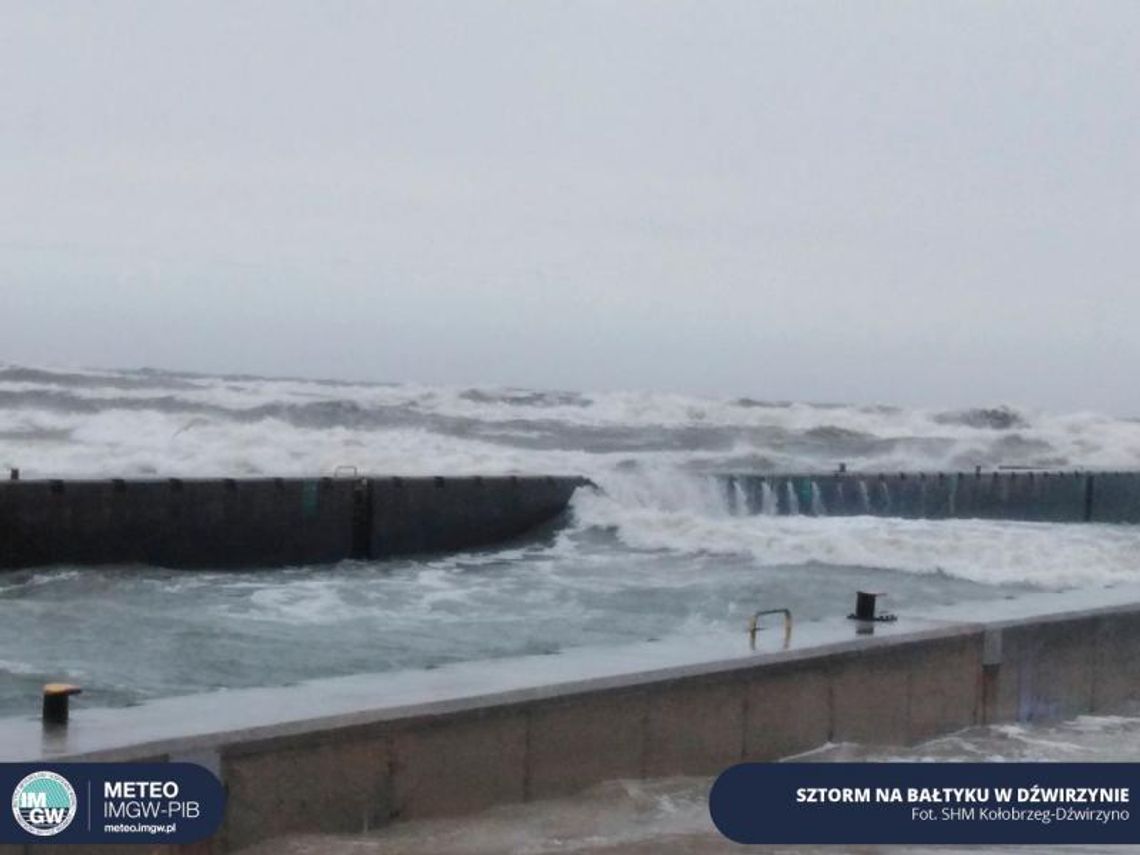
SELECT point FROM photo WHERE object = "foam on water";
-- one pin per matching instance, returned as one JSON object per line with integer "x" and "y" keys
{"x": 689, "y": 514}
{"x": 661, "y": 551}
{"x": 147, "y": 422}
{"x": 1085, "y": 739}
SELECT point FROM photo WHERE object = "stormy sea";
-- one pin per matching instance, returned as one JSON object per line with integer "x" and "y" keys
{"x": 657, "y": 553}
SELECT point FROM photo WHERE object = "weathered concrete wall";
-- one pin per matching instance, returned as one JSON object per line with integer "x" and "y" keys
{"x": 264, "y": 522}
{"x": 887, "y": 691}
{"x": 454, "y": 756}
{"x": 1032, "y": 496}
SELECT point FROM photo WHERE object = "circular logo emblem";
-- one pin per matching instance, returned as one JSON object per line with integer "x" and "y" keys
{"x": 44, "y": 804}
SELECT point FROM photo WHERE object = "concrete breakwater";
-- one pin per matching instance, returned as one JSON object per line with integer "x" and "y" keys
{"x": 1043, "y": 496}
{"x": 272, "y": 522}
{"x": 265, "y": 522}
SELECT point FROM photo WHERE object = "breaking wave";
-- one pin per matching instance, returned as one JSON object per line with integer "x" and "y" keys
{"x": 649, "y": 451}
{"x": 71, "y": 423}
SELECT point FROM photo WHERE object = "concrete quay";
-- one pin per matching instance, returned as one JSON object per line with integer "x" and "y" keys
{"x": 352, "y": 754}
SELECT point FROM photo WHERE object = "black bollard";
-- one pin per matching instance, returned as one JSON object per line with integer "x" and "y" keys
{"x": 865, "y": 608}
{"x": 865, "y": 605}
{"x": 57, "y": 702}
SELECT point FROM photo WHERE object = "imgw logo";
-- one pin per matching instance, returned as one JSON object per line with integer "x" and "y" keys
{"x": 44, "y": 804}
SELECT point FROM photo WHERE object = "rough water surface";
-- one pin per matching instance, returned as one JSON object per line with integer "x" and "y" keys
{"x": 658, "y": 552}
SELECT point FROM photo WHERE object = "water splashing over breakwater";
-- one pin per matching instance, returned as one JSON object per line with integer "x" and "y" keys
{"x": 665, "y": 550}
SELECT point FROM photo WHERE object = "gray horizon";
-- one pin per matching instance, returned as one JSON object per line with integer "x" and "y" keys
{"x": 896, "y": 202}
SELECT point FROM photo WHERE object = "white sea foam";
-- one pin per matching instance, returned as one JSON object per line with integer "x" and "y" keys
{"x": 641, "y": 447}
{"x": 203, "y": 425}
{"x": 659, "y": 557}
{"x": 7, "y": 666}
{"x": 689, "y": 514}
{"x": 1084, "y": 739}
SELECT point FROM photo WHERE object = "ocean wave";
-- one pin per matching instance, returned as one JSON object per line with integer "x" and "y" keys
{"x": 692, "y": 516}
{"x": 993, "y": 418}
{"x": 526, "y": 398}
{"x": 647, "y": 448}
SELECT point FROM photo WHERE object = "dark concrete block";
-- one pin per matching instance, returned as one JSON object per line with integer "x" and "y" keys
{"x": 909, "y": 493}
{"x": 1059, "y": 496}
{"x": 423, "y": 515}
{"x": 990, "y": 496}
{"x": 846, "y": 497}
{"x": 1115, "y": 497}
{"x": 265, "y": 522}
{"x": 832, "y": 494}
{"x": 938, "y": 495}
{"x": 967, "y": 487}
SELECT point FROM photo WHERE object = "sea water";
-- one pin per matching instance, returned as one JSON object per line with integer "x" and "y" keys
{"x": 661, "y": 551}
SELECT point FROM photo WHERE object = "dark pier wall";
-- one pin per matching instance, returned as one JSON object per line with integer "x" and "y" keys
{"x": 1115, "y": 497}
{"x": 1032, "y": 496}
{"x": 412, "y": 515}
{"x": 265, "y": 522}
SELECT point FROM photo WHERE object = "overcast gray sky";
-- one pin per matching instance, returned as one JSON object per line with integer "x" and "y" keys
{"x": 924, "y": 202}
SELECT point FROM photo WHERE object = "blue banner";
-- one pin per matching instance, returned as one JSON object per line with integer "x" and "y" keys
{"x": 945, "y": 803}
{"x": 108, "y": 803}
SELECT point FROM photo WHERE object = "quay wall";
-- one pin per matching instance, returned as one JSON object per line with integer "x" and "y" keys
{"x": 361, "y": 771}
{"x": 265, "y": 522}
